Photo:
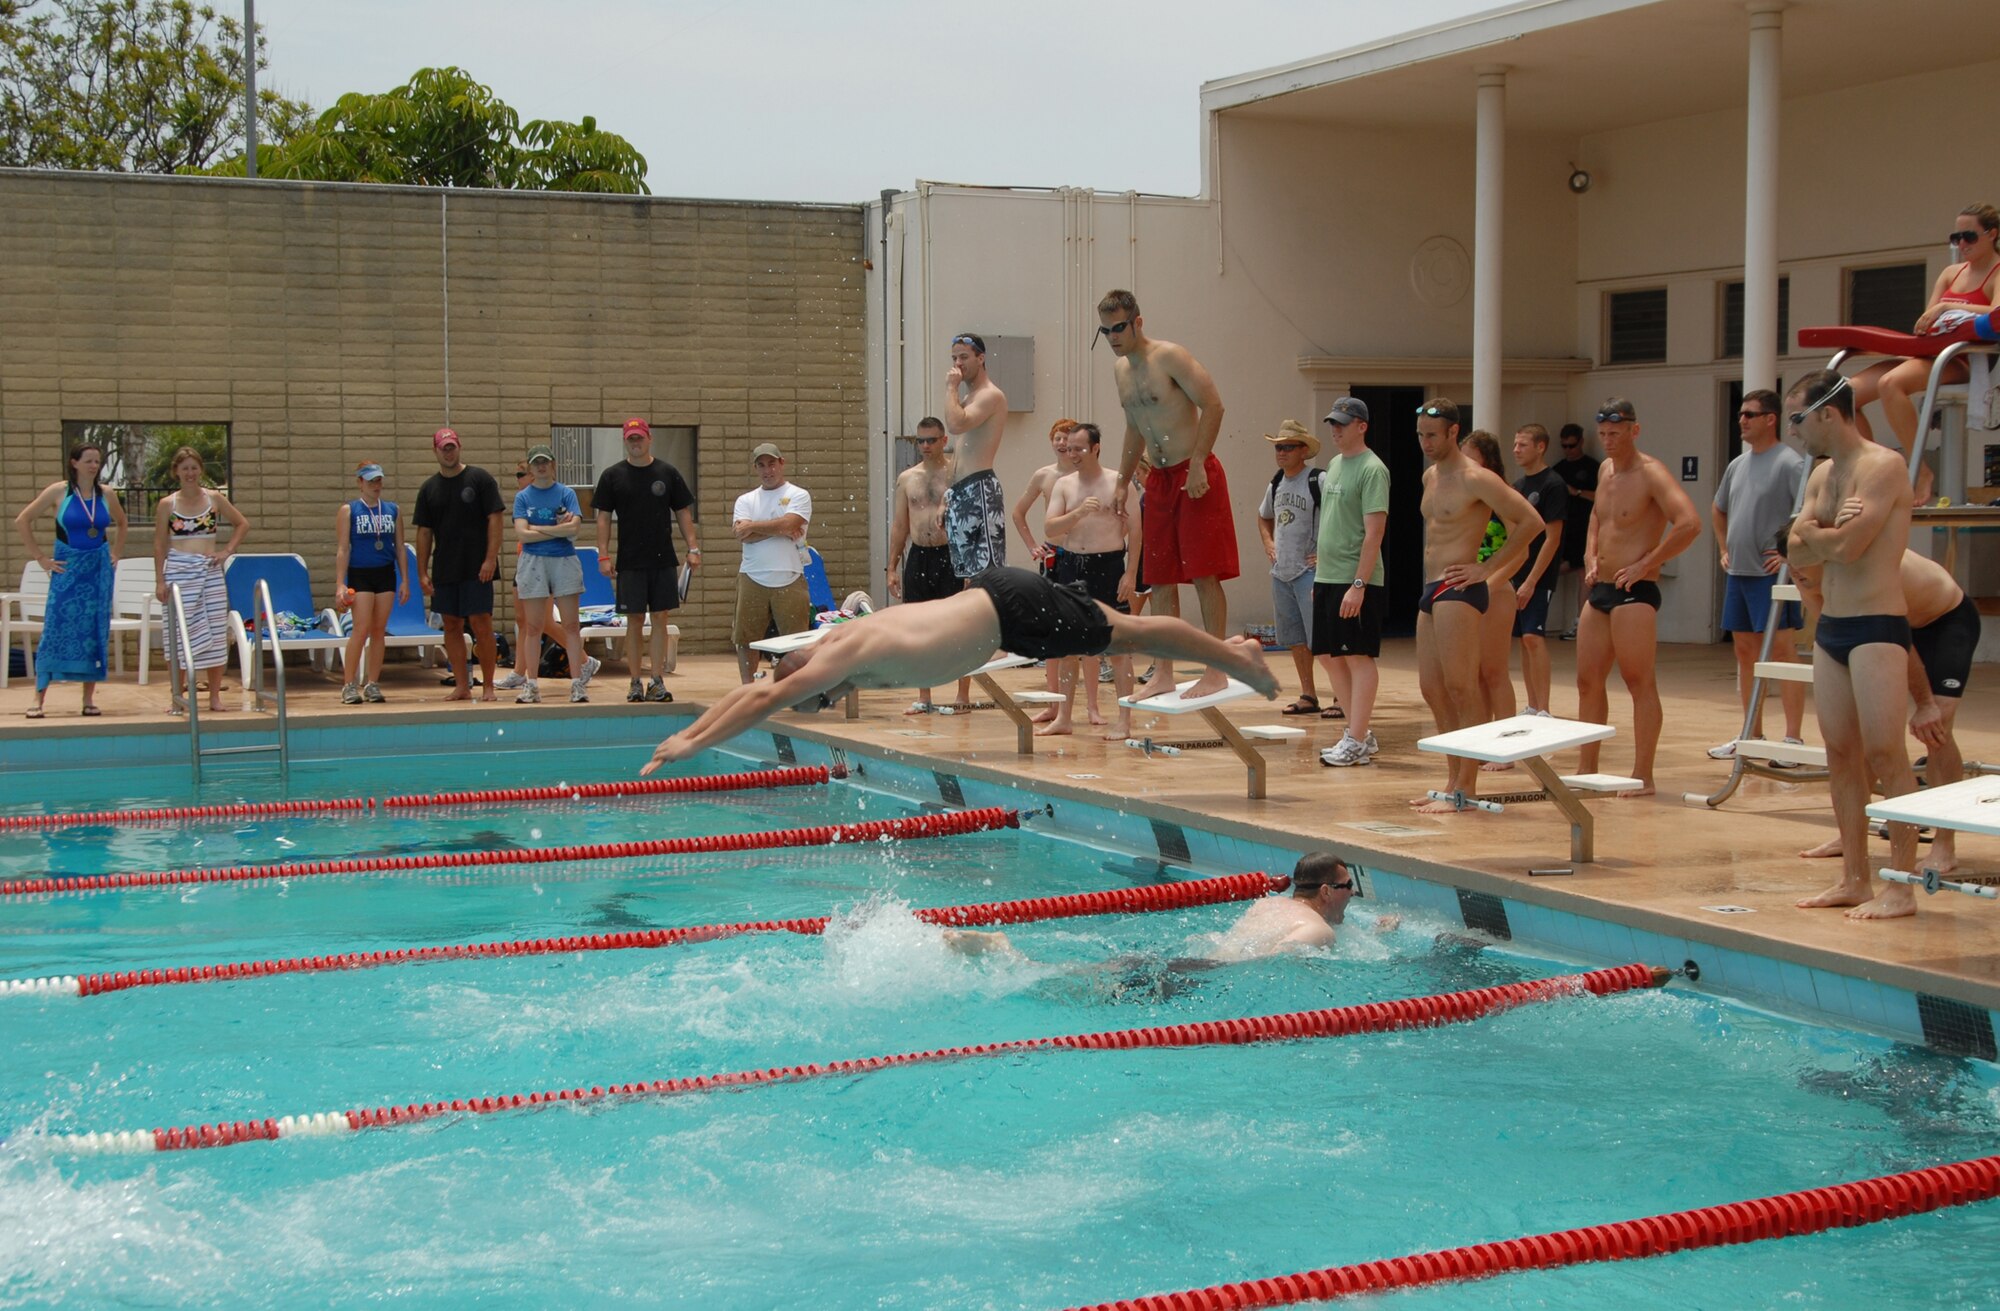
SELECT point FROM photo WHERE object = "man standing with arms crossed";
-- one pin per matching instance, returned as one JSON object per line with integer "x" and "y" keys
{"x": 458, "y": 553}
{"x": 1086, "y": 517}
{"x": 1857, "y": 519}
{"x": 1754, "y": 503}
{"x": 925, "y": 575}
{"x": 770, "y": 520}
{"x": 975, "y": 512}
{"x": 647, "y": 495}
{"x": 1347, "y": 578}
{"x": 1641, "y": 520}
{"x": 1173, "y": 415}
{"x": 1460, "y": 497}
{"x": 1535, "y": 585}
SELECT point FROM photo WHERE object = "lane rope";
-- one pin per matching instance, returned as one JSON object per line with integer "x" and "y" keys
{"x": 1787, "y": 1215}
{"x": 1116, "y": 901}
{"x": 1344, "y": 1021}
{"x": 941, "y": 824}
{"x": 797, "y": 776}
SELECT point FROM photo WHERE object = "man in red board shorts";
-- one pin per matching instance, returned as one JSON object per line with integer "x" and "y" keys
{"x": 1172, "y": 416}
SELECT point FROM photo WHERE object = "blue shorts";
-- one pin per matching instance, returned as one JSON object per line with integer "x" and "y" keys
{"x": 1746, "y": 603}
{"x": 1532, "y": 619}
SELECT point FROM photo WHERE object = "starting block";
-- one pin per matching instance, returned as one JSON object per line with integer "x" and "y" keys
{"x": 786, "y": 643}
{"x": 1529, "y": 740}
{"x": 1969, "y": 806}
{"x": 1009, "y": 704}
{"x": 1173, "y": 703}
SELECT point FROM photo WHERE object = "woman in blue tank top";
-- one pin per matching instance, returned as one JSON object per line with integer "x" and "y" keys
{"x": 90, "y": 536}
{"x": 373, "y": 578}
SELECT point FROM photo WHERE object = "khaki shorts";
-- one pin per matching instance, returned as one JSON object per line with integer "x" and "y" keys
{"x": 757, "y": 606}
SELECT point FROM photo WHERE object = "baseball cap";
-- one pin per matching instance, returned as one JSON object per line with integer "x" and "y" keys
{"x": 639, "y": 426}
{"x": 368, "y": 472}
{"x": 442, "y": 438}
{"x": 764, "y": 449}
{"x": 541, "y": 451}
{"x": 1347, "y": 410}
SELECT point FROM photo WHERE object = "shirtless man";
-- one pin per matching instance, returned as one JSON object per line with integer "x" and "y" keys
{"x": 1639, "y": 520}
{"x": 1088, "y": 520}
{"x": 1044, "y": 553}
{"x": 1460, "y": 496}
{"x": 926, "y": 574}
{"x": 974, "y": 516}
{"x": 1857, "y": 520}
{"x": 1944, "y": 629}
{"x": 1173, "y": 415}
{"x": 924, "y": 645}
{"x": 1322, "y": 885}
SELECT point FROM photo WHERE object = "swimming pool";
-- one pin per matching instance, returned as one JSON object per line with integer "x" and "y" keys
{"x": 1033, "y": 1180}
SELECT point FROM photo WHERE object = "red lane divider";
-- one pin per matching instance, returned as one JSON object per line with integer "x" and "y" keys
{"x": 77, "y": 819}
{"x": 1837, "y": 1206}
{"x": 1373, "y": 1017}
{"x": 799, "y": 776}
{"x": 947, "y": 824}
{"x": 1166, "y": 896}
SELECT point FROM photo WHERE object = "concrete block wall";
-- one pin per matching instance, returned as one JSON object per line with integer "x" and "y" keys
{"x": 312, "y": 318}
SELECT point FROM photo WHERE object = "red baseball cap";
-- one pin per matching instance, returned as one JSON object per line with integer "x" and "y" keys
{"x": 639, "y": 426}
{"x": 442, "y": 438}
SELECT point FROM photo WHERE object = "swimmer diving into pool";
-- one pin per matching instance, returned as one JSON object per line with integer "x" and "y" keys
{"x": 1322, "y": 885}
{"x": 932, "y": 642}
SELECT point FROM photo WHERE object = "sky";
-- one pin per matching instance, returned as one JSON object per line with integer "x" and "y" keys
{"x": 834, "y": 100}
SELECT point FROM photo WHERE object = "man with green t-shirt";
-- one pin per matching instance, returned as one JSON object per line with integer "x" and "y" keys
{"x": 1347, "y": 581}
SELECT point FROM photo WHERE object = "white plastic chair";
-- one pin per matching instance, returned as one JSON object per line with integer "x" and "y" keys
{"x": 22, "y": 612}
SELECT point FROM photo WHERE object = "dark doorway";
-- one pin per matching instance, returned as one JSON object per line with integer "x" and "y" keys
{"x": 1392, "y": 435}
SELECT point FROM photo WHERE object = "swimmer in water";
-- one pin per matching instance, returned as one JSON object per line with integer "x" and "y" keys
{"x": 1322, "y": 885}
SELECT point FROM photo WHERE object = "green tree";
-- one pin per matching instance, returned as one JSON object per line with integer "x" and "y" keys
{"x": 444, "y": 129}
{"x": 142, "y": 86}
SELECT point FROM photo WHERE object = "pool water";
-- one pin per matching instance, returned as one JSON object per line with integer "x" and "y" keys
{"x": 1030, "y": 1180}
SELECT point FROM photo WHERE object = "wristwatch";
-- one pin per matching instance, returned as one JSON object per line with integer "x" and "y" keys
{"x": 1359, "y": 582}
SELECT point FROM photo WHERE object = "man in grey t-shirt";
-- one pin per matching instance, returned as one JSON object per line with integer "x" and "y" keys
{"x": 1755, "y": 502}
{"x": 1288, "y": 521}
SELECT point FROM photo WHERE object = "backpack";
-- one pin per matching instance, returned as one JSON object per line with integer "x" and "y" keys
{"x": 554, "y": 662}
{"x": 1313, "y": 480}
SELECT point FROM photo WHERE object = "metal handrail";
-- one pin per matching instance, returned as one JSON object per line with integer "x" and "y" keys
{"x": 267, "y": 618}
{"x": 1946, "y": 472}
{"x": 190, "y": 700}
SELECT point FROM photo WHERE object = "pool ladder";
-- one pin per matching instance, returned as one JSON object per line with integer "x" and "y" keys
{"x": 181, "y": 653}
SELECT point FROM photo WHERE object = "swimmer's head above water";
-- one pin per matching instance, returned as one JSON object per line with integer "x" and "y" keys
{"x": 1323, "y": 881}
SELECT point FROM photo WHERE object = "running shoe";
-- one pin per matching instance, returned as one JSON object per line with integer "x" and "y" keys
{"x": 1344, "y": 753}
{"x": 1541, "y": 714}
{"x": 530, "y": 694}
{"x": 1727, "y": 751}
{"x": 1369, "y": 744}
{"x": 591, "y": 664}
{"x": 1104, "y": 673}
{"x": 350, "y": 695}
{"x": 1788, "y": 764}
{"x": 579, "y": 689}
{"x": 372, "y": 693}
{"x": 509, "y": 682}
{"x": 657, "y": 691}
{"x": 636, "y": 691}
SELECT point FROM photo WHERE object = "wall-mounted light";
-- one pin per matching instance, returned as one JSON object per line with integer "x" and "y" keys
{"x": 1579, "y": 180}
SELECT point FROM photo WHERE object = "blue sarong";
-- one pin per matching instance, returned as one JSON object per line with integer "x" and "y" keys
{"x": 76, "y": 629}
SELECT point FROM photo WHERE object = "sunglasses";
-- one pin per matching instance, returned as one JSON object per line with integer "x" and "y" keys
{"x": 1755, "y": 414}
{"x": 928, "y": 441}
{"x": 1288, "y": 446}
{"x": 522, "y": 473}
{"x": 1963, "y": 238}
{"x": 1572, "y": 446}
{"x": 1798, "y": 417}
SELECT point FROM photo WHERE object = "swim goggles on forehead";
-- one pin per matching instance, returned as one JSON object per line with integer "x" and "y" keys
{"x": 1614, "y": 416}
{"x": 1431, "y": 412}
{"x": 1798, "y": 417}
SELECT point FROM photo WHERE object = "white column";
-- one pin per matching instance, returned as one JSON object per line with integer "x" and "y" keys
{"x": 1487, "y": 245}
{"x": 1760, "y": 198}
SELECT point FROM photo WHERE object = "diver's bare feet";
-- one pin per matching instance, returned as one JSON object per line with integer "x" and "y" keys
{"x": 1119, "y": 731}
{"x": 1161, "y": 683}
{"x": 1632, "y": 794}
{"x": 458, "y": 694}
{"x": 1046, "y": 715}
{"x": 1830, "y": 847}
{"x": 489, "y": 695}
{"x": 1496, "y": 766}
{"x": 1055, "y": 728}
{"x": 1255, "y": 672}
{"x": 1893, "y": 902}
{"x": 1211, "y": 681}
{"x": 1840, "y": 894}
{"x": 1434, "y": 806}
{"x": 1096, "y": 717}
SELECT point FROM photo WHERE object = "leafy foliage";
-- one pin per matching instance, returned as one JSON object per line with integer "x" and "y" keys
{"x": 444, "y": 129}
{"x": 143, "y": 86}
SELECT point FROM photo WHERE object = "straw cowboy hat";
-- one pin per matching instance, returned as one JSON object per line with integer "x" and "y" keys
{"x": 1291, "y": 430}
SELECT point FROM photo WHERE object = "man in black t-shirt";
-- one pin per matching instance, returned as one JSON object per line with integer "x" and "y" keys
{"x": 458, "y": 553}
{"x": 1535, "y": 584}
{"x": 1579, "y": 474}
{"x": 647, "y": 495}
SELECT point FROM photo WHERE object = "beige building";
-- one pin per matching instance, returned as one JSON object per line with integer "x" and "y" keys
{"x": 1529, "y": 209}
{"x": 331, "y": 325}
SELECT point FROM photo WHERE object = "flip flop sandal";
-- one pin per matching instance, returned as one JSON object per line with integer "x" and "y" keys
{"x": 91, "y": 712}
{"x": 1304, "y": 705}
{"x": 1333, "y": 712}
{"x": 36, "y": 712}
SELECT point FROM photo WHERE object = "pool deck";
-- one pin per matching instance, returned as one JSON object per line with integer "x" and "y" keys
{"x": 1659, "y": 864}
